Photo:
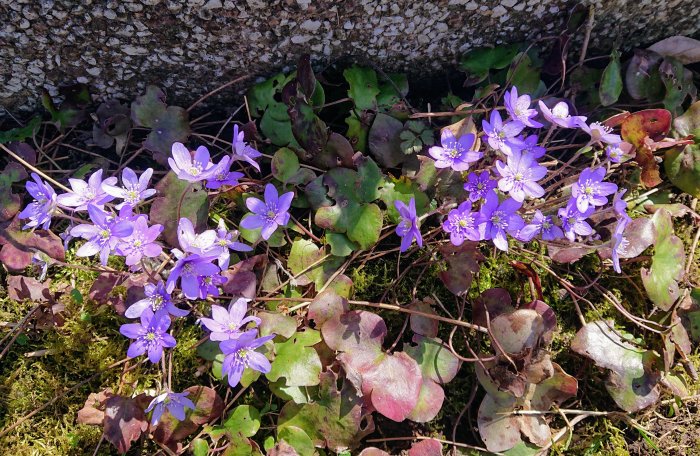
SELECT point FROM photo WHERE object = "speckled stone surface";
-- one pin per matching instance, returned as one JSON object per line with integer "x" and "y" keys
{"x": 190, "y": 47}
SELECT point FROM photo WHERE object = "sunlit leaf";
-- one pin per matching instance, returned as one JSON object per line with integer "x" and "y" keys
{"x": 296, "y": 360}
{"x": 668, "y": 262}
{"x": 611, "y": 82}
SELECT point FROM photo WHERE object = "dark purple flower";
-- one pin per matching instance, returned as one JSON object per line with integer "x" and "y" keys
{"x": 614, "y": 153}
{"x": 40, "y": 210}
{"x": 541, "y": 225}
{"x": 518, "y": 108}
{"x": 225, "y": 242}
{"x": 175, "y": 403}
{"x": 269, "y": 214}
{"x": 407, "y": 228}
{"x": 188, "y": 168}
{"x": 242, "y": 151}
{"x": 461, "y": 223}
{"x": 226, "y": 324}
{"x": 478, "y": 185}
{"x": 590, "y": 190}
{"x": 103, "y": 236}
{"x": 157, "y": 298}
{"x": 600, "y": 133}
{"x": 84, "y": 193}
{"x": 559, "y": 115}
{"x": 573, "y": 221}
{"x": 209, "y": 285}
{"x": 150, "y": 335}
{"x": 222, "y": 175}
{"x": 134, "y": 189}
{"x": 141, "y": 242}
{"x": 519, "y": 176}
{"x": 192, "y": 242}
{"x": 501, "y": 135}
{"x": 497, "y": 220}
{"x": 240, "y": 353}
{"x": 193, "y": 271}
{"x": 455, "y": 153}
{"x": 529, "y": 146}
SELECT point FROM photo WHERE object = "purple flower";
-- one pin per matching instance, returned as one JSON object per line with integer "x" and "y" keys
{"x": 175, "y": 403}
{"x": 559, "y": 115}
{"x": 407, "y": 228}
{"x": 270, "y": 214}
{"x": 103, "y": 236}
{"x": 191, "y": 169}
{"x": 226, "y": 324}
{"x": 620, "y": 207}
{"x": 84, "y": 193}
{"x": 196, "y": 273}
{"x": 221, "y": 175}
{"x": 478, "y": 185}
{"x": 240, "y": 353}
{"x": 192, "y": 242}
{"x": 455, "y": 153}
{"x": 600, "y": 133}
{"x": 614, "y": 153}
{"x": 461, "y": 223}
{"x": 619, "y": 242}
{"x": 591, "y": 190}
{"x": 498, "y": 219}
{"x": 501, "y": 136}
{"x": 40, "y": 210}
{"x": 242, "y": 151}
{"x": 519, "y": 176}
{"x": 225, "y": 242}
{"x": 543, "y": 226}
{"x": 133, "y": 190}
{"x": 157, "y": 298}
{"x": 43, "y": 261}
{"x": 209, "y": 285}
{"x": 573, "y": 221}
{"x": 619, "y": 247}
{"x": 150, "y": 335}
{"x": 141, "y": 242}
{"x": 518, "y": 108}
{"x": 529, "y": 146}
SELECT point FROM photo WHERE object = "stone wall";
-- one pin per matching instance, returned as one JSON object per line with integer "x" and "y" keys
{"x": 192, "y": 46}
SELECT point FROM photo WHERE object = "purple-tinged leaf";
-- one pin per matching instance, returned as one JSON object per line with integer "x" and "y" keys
{"x": 356, "y": 330}
{"x": 429, "y": 447}
{"x": 208, "y": 406}
{"x": 18, "y": 246}
{"x": 562, "y": 253}
{"x": 424, "y": 326}
{"x": 462, "y": 264}
{"x": 20, "y": 288}
{"x": 124, "y": 420}
{"x": 495, "y": 301}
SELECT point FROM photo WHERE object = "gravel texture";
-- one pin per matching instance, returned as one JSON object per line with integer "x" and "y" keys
{"x": 190, "y": 47}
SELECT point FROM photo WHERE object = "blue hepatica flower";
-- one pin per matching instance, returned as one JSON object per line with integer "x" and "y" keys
{"x": 455, "y": 153}
{"x": 157, "y": 298}
{"x": 226, "y": 324}
{"x": 243, "y": 151}
{"x": 407, "y": 228}
{"x": 270, "y": 214}
{"x": 559, "y": 115}
{"x": 134, "y": 189}
{"x": 40, "y": 210}
{"x": 103, "y": 236}
{"x": 540, "y": 225}
{"x": 191, "y": 169}
{"x": 85, "y": 193}
{"x": 222, "y": 175}
{"x": 461, "y": 223}
{"x": 240, "y": 353}
{"x": 601, "y": 134}
{"x": 197, "y": 274}
{"x": 573, "y": 221}
{"x": 141, "y": 242}
{"x": 519, "y": 176}
{"x": 590, "y": 190}
{"x": 149, "y": 335}
{"x": 225, "y": 242}
{"x": 497, "y": 220}
{"x": 175, "y": 403}
{"x": 502, "y": 136}
{"x": 518, "y": 108}
{"x": 479, "y": 185}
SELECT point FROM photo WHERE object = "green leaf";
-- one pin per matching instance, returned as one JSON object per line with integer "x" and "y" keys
{"x": 147, "y": 108}
{"x": 21, "y": 133}
{"x": 244, "y": 419}
{"x": 200, "y": 447}
{"x": 180, "y": 199}
{"x": 298, "y": 439}
{"x": 392, "y": 90}
{"x": 385, "y": 140}
{"x": 523, "y": 74}
{"x": 611, "y": 82}
{"x": 367, "y": 225}
{"x": 478, "y": 62}
{"x": 297, "y": 360}
{"x": 667, "y": 264}
{"x": 285, "y": 164}
{"x": 341, "y": 246}
{"x": 357, "y": 131}
{"x": 363, "y": 86}
{"x": 682, "y": 167}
